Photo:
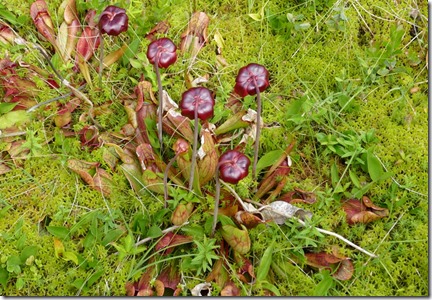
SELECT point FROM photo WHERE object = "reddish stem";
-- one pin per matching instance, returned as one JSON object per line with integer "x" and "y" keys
{"x": 258, "y": 131}
{"x": 160, "y": 104}
{"x": 194, "y": 149}
{"x": 216, "y": 208}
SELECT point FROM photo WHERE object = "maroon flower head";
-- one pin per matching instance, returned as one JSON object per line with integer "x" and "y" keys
{"x": 162, "y": 51}
{"x": 249, "y": 77}
{"x": 233, "y": 166}
{"x": 113, "y": 21}
{"x": 200, "y": 99}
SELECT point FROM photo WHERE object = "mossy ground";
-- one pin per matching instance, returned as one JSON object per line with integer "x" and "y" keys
{"x": 327, "y": 78}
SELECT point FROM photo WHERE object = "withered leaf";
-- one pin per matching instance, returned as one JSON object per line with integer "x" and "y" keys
{"x": 297, "y": 196}
{"x": 363, "y": 211}
{"x": 218, "y": 274}
{"x": 170, "y": 277}
{"x": 195, "y": 36}
{"x": 160, "y": 28}
{"x": 249, "y": 220}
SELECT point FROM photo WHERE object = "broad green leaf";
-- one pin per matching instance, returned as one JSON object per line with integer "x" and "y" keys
{"x": 256, "y": 17}
{"x": 28, "y": 251}
{"x": 334, "y": 173}
{"x": 265, "y": 263}
{"x": 13, "y": 264}
{"x": 111, "y": 236}
{"x": 6, "y": 107}
{"x": 4, "y": 276}
{"x": 12, "y": 118}
{"x": 20, "y": 283}
{"x": 374, "y": 166}
{"x": 58, "y": 231}
{"x": 70, "y": 256}
{"x": 355, "y": 180}
{"x": 95, "y": 277}
{"x": 272, "y": 288}
{"x": 268, "y": 159}
{"x": 154, "y": 232}
{"x": 324, "y": 285}
{"x": 7, "y": 15}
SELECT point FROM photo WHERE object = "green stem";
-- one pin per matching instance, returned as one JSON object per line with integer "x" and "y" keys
{"x": 216, "y": 207}
{"x": 194, "y": 149}
{"x": 160, "y": 105}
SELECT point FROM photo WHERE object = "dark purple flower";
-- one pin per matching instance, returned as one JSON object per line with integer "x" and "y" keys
{"x": 249, "y": 77}
{"x": 200, "y": 99}
{"x": 233, "y": 166}
{"x": 113, "y": 21}
{"x": 162, "y": 51}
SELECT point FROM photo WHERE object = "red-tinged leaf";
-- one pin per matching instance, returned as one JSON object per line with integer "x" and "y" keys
{"x": 89, "y": 40}
{"x": 159, "y": 287}
{"x": 4, "y": 168}
{"x": 6, "y": 34}
{"x": 170, "y": 278}
{"x": 195, "y": 36}
{"x": 363, "y": 211}
{"x": 171, "y": 240}
{"x": 100, "y": 180}
{"x": 230, "y": 290}
{"x": 64, "y": 113}
{"x": 345, "y": 270}
{"x": 182, "y": 213}
{"x": 89, "y": 137}
{"x": 42, "y": 20}
{"x": 341, "y": 267}
{"x": 152, "y": 181}
{"x": 246, "y": 271}
{"x": 238, "y": 239}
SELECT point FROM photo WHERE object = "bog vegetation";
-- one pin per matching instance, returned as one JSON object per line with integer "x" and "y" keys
{"x": 213, "y": 148}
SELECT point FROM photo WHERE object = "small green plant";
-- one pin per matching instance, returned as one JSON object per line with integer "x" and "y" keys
{"x": 203, "y": 259}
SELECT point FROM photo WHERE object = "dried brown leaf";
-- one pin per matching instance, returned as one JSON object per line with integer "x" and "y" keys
{"x": 195, "y": 36}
